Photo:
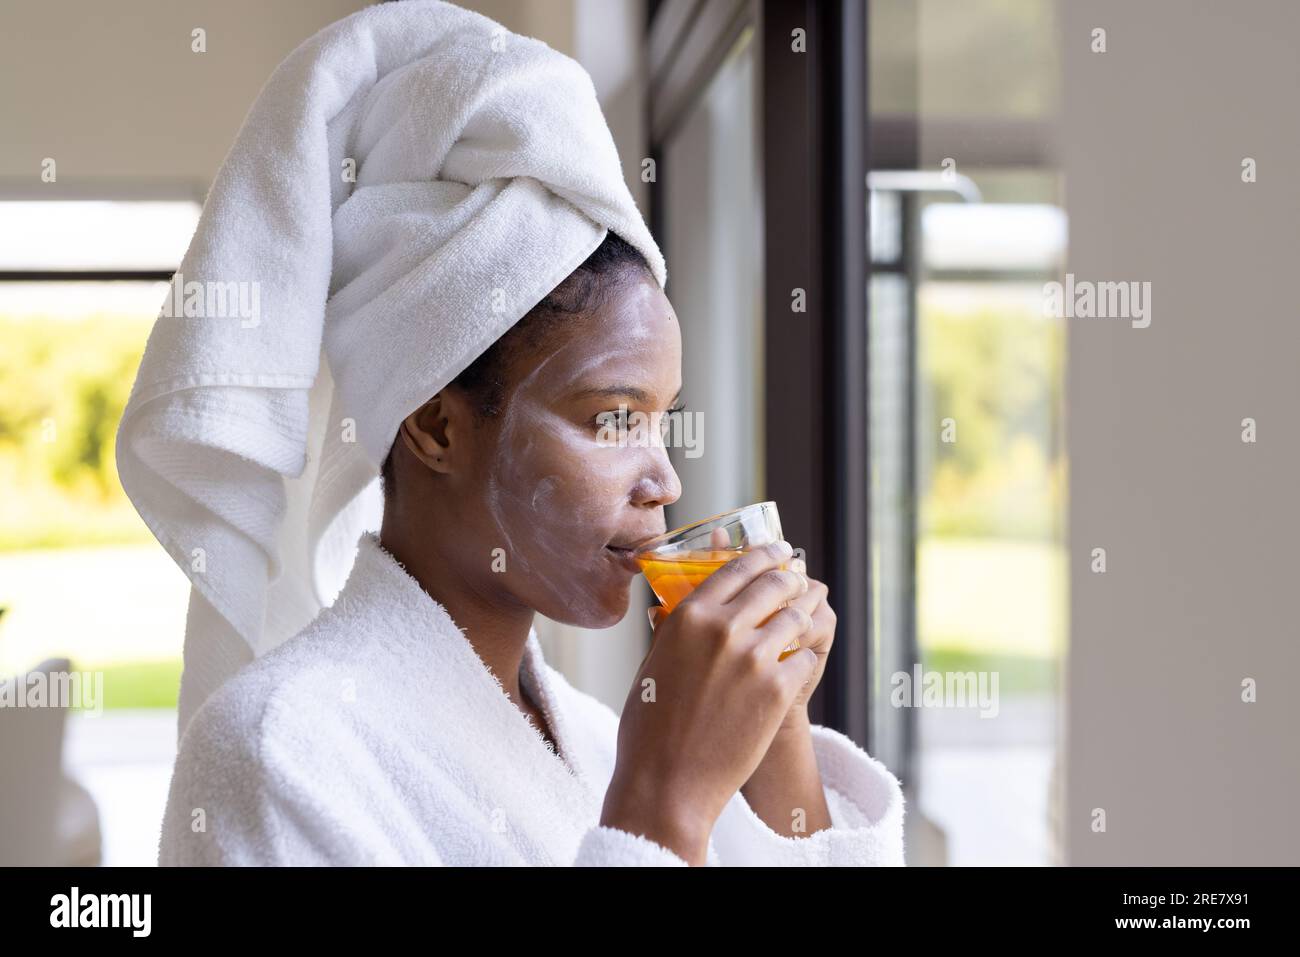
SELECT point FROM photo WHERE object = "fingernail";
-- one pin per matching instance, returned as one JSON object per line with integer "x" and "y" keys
{"x": 798, "y": 567}
{"x": 785, "y": 547}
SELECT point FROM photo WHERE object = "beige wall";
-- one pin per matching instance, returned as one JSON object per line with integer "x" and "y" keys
{"x": 1200, "y": 530}
{"x": 114, "y": 94}
{"x": 112, "y": 91}
{"x": 551, "y": 21}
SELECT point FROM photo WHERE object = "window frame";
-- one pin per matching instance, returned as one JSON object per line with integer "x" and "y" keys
{"x": 813, "y": 153}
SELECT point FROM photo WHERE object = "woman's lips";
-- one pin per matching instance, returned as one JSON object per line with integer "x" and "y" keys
{"x": 624, "y": 557}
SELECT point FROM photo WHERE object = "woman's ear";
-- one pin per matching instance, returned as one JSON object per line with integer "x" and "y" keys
{"x": 427, "y": 433}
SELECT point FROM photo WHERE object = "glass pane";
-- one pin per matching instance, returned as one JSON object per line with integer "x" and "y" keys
{"x": 993, "y": 237}
{"x": 95, "y": 234}
{"x": 713, "y": 242}
{"x": 73, "y": 550}
{"x": 990, "y": 57}
{"x": 890, "y": 383}
{"x": 973, "y": 498}
{"x": 886, "y": 218}
{"x": 990, "y": 562}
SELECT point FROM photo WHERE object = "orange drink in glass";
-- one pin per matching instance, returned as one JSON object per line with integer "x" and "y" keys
{"x": 676, "y": 562}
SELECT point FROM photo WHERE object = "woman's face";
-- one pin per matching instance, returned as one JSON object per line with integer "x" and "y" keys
{"x": 554, "y": 492}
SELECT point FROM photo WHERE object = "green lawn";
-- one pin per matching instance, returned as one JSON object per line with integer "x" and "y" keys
{"x": 143, "y": 684}
{"x": 993, "y": 605}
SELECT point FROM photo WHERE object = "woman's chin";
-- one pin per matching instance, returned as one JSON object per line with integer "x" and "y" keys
{"x": 604, "y": 609}
{"x": 615, "y": 611}
{"x": 618, "y": 600}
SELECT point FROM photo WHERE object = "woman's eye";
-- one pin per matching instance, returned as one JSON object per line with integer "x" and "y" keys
{"x": 613, "y": 419}
{"x": 626, "y": 421}
{"x": 666, "y": 422}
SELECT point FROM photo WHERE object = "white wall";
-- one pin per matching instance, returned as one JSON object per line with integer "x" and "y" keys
{"x": 1200, "y": 529}
{"x": 113, "y": 92}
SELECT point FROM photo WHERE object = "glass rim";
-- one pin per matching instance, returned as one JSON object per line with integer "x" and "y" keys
{"x": 667, "y": 537}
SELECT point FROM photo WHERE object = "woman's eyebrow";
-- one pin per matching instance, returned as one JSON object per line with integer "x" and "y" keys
{"x": 630, "y": 391}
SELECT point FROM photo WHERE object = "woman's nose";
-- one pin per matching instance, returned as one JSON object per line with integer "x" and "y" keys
{"x": 660, "y": 485}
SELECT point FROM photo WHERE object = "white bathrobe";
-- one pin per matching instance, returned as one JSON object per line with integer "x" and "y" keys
{"x": 377, "y": 736}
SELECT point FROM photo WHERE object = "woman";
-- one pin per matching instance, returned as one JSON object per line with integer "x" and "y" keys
{"x": 414, "y": 720}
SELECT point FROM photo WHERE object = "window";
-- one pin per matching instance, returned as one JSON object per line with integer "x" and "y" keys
{"x": 967, "y": 461}
{"x": 81, "y": 283}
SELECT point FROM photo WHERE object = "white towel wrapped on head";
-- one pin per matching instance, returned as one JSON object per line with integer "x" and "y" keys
{"x": 409, "y": 183}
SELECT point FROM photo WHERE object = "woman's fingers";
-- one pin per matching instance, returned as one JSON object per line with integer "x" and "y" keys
{"x": 813, "y": 596}
{"x": 732, "y": 578}
{"x": 769, "y": 591}
{"x": 787, "y": 626}
{"x": 796, "y": 671}
{"x": 778, "y": 634}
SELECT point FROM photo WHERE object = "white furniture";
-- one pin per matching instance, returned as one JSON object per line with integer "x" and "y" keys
{"x": 46, "y": 819}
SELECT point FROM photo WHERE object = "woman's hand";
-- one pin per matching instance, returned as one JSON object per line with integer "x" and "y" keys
{"x": 818, "y": 637}
{"x": 709, "y": 698}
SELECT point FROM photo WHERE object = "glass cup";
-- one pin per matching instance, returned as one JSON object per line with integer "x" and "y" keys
{"x": 676, "y": 562}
